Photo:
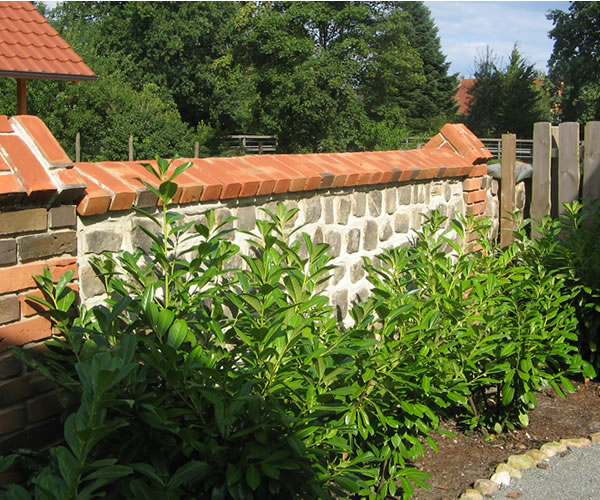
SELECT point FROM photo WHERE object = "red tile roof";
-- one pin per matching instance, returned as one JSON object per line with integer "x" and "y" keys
{"x": 31, "y": 48}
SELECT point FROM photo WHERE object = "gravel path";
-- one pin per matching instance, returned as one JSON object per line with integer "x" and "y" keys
{"x": 575, "y": 476}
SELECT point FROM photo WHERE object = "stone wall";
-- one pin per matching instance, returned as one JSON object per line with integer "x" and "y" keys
{"x": 355, "y": 223}
{"x": 55, "y": 214}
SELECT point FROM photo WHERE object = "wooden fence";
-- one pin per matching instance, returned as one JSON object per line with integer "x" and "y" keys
{"x": 559, "y": 174}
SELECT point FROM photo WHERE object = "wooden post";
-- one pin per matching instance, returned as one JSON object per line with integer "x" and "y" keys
{"x": 507, "y": 194}
{"x": 21, "y": 96}
{"x": 77, "y": 147}
{"x": 591, "y": 162}
{"x": 130, "y": 148}
{"x": 541, "y": 180}
{"x": 568, "y": 163}
{"x": 196, "y": 149}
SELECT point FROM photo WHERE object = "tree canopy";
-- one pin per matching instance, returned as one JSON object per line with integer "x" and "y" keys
{"x": 505, "y": 99}
{"x": 321, "y": 76}
{"x": 575, "y": 61}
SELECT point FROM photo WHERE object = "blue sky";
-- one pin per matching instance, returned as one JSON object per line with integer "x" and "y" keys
{"x": 466, "y": 28}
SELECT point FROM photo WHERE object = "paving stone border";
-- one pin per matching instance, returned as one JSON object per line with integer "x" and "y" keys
{"x": 513, "y": 466}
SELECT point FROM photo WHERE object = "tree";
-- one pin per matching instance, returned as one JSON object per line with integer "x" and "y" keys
{"x": 575, "y": 61}
{"x": 505, "y": 100}
{"x": 432, "y": 103}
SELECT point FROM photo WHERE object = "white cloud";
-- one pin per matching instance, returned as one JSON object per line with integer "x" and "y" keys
{"x": 468, "y": 27}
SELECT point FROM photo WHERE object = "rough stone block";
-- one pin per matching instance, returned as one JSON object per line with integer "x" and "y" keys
{"x": 90, "y": 284}
{"x": 486, "y": 486}
{"x": 318, "y": 236}
{"x": 501, "y": 478}
{"x": 404, "y": 195}
{"x": 537, "y": 455}
{"x": 386, "y": 231}
{"x": 63, "y": 216}
{"x": 338, "y": 274}
{"x": 390, "y": 201}
{"x": 370, "y": 231}
{"x": 521, "y": 462}
{"x": 246, "y": 218}
{"x": 340, "y": 303}
{"x": 436, "y": 189}
{"x": 334, "y": 240}
{"x": 471, "y": 494}
{"x": 23, "y": 221}
{"x": 375, "y": 200}
{"x": 353, "y": 241}
{"x": 139, "y": 239}
{"x": 359, "y": 207}
{"x": 447, "y": 192}
{"x": 10, "y": 309}
{"x": 38, "y": 246}
{"x": 344, "y": 205}
{"x": 511, "y": 470}
{"x": 357, "y": 271}
{"x": 417, "y": 220}
{"x": 98, "y": 241}
{"x": 576, "y": 442}
{"x": 312, "y": 210}
{"x": 8, "y": 252}
{"x": 401, "y": 223}
{"x": 420, "y": 193}
{"x": 328, "y": 210}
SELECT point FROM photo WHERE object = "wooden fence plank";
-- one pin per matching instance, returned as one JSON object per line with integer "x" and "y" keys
{"x": 591, "y": 162}
{"x": 541, "y": 181}
{"x": 568, "y": 163}
{"x": 507, "y": 194}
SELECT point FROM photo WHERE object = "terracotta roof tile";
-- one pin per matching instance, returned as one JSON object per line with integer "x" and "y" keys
{"x": 31, "y": 48}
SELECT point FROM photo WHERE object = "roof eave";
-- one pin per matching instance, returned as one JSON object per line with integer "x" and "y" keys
{"x": 31, "y": 75}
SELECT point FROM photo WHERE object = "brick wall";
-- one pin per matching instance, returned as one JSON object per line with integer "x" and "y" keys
{"x": 56, "y": 214}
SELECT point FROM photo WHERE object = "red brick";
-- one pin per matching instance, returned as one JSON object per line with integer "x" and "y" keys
{"x": 9, "y": 309}
{"x": 435, "y": 142}
{"x": 4, "y": 167}
{"x": 23, "y": 221}
{"x": 10, "y": 366}
{"x": 18, "y": 278}
{"x": 44, "y": 406}
{"x": 474, "y": 196}
{"x": 263, "y": 167}
{"x": 39, "y": 246}
{"x": 123, "y": 194}
{"x": 5, "y": 127}
{"x": 96, "y": 200}
{"x": 475, "y": 209}
{"x": 28, "y": 169}
{"x": 211, "y": 186}
{"x": 472, "y": 184}
{"x": 44, "y": 140}
{"x": 24, "y": 331}
{"x": 12, "y": 419}
{"x": 131, "y": 173}
{"x": 15, "y": 390}
{"x": 72, "y": 185}
{"x": 36, "y": 436}
{"x": 478, "y": 170}
{"x": 249, "y": 180}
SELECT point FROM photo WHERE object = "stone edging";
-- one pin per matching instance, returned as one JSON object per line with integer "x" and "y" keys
{"x": 516, "y": 463}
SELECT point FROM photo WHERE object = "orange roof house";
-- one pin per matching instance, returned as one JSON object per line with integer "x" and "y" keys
{"x": 30, "y": 48}
{"x": 462, "y": 95}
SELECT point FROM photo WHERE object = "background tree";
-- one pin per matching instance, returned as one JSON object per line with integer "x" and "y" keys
{"x": 321, "y": 76}
{"x": 505, "y": 99}
{"x": 575, "y": 61}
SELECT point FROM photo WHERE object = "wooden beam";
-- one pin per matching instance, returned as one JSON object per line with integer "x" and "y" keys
{"x": 507, "y": 188}
{"x": 21, "y": 96}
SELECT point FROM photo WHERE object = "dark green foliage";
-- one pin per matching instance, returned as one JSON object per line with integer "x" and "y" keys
{"x": 505, "y": 100}
{"x": 207, "y": 373}
{"x": 574, "y": 67}
{"x": 321, "y": 76}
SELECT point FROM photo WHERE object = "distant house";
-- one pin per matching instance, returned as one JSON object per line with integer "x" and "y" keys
{"x": 462, "y": 95}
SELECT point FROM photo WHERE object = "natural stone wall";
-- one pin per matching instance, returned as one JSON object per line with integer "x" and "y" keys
{"x": 492, "y": 187}
{"x": 356, "y": 223}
